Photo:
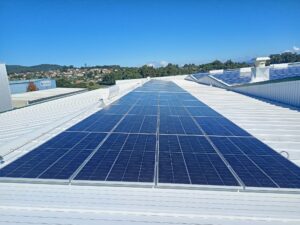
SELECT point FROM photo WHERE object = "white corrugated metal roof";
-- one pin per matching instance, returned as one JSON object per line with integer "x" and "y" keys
{"x": 74, "y": 204}
{"x": 60, "y": 204}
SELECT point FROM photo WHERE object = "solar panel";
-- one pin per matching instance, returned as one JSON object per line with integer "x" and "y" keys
{"x": 122, "y": 157}
{"x": 157, "y": 124}
{"x": 138, "y": 124}
{"x": 220, "y": 126}
{"x": 191, "y": 160}
{"x": 173, "y": 111}
{"x": 282, "y": 73}
{"x": 200, "y": 75}
{"x": 202, "y": 111}
{"x": 56, "y": 159}
{"x": 97, "y": 123}
{"x": 116, "y": 109}
{"x": 235, "y": 77}
{"x": 178, "y": 125}
{"x": 191, "y": 103}
{"x": 144, "y": 110}
{"x": 257, "y": 164}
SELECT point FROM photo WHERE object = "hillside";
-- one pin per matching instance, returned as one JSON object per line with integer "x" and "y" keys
{"x": 22, "y": 69}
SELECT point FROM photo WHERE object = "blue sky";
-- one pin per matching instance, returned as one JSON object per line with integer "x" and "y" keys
{"x": 134, "y": 33}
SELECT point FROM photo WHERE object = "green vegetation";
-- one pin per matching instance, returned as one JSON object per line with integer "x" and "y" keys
{"x": 287, "y": 57}
{"x": 90, "y": 85}
{"x": 171, "y": 69}
{"x": 37, "y": 68}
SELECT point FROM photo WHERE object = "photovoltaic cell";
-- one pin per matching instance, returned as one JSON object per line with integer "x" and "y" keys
{"x": 173, "y": 111}
{"x": 196, "y": 145}
{"x": 138, "y": 124}
{"x": 97, "y": 123}
{"x": 144, "y": 110}
{"x": 192, "y": 103}
{"x": 178, "y": 125}
{"x": 220, "y": 126}
{"x": 115, "y": 109}
{"x": 202, "y": 111}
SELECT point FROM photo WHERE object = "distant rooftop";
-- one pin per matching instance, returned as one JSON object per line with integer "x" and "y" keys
{"x": 240, "y": 76}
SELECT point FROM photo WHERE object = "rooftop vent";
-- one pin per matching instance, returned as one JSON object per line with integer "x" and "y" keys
{"x": 260, "y": 72}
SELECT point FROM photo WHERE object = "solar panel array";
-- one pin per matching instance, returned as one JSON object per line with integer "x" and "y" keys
{"x": 200, "y": 75}
{"x": 235, "y": 77}
{"x": 289, "y": 72}
{"x": 157, "y": 134}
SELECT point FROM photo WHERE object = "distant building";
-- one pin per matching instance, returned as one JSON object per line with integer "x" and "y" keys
{"x": 22, "y": 85}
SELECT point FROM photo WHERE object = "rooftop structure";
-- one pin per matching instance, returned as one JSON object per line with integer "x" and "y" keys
{"x": 22, "y": 86}
{"x": 187, "y": 153}
{"x": 27, "y": 98}
{"x": 245, "y": 75}
{"x": 5, "y": 100}
{"x": 280, "y": 83}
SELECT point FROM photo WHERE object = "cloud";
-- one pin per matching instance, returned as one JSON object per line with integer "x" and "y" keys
{"x": 286, "y": 51}
{"x": 151, "y": 65}
{"x": 296, "y": 49}
{"x": 163, "y": 63}
{"x": 157, "y": 64}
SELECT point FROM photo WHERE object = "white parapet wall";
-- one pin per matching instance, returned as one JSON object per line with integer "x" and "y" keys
{"x": 216, "y": 71}
{"x": 5, "y": 96}
{"x": 171, "y": 78}
{"x": 123, "y": 86}
{"x": 287, "y": 92}
{"x": 279, "y": 66}
{"x": 245, "y": 70}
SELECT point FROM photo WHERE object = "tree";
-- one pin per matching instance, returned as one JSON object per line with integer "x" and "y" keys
{"x": 286, "y": 57}
{"x": 64, "y": 69}
{"x": 147, "y": 71}
{"x": 31, "y": 87}
{"x": 108, "y": 80}
{"x": 64, "y": 82}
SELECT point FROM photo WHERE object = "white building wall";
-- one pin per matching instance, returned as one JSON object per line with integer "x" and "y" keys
{"x": 5, "y": 98}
